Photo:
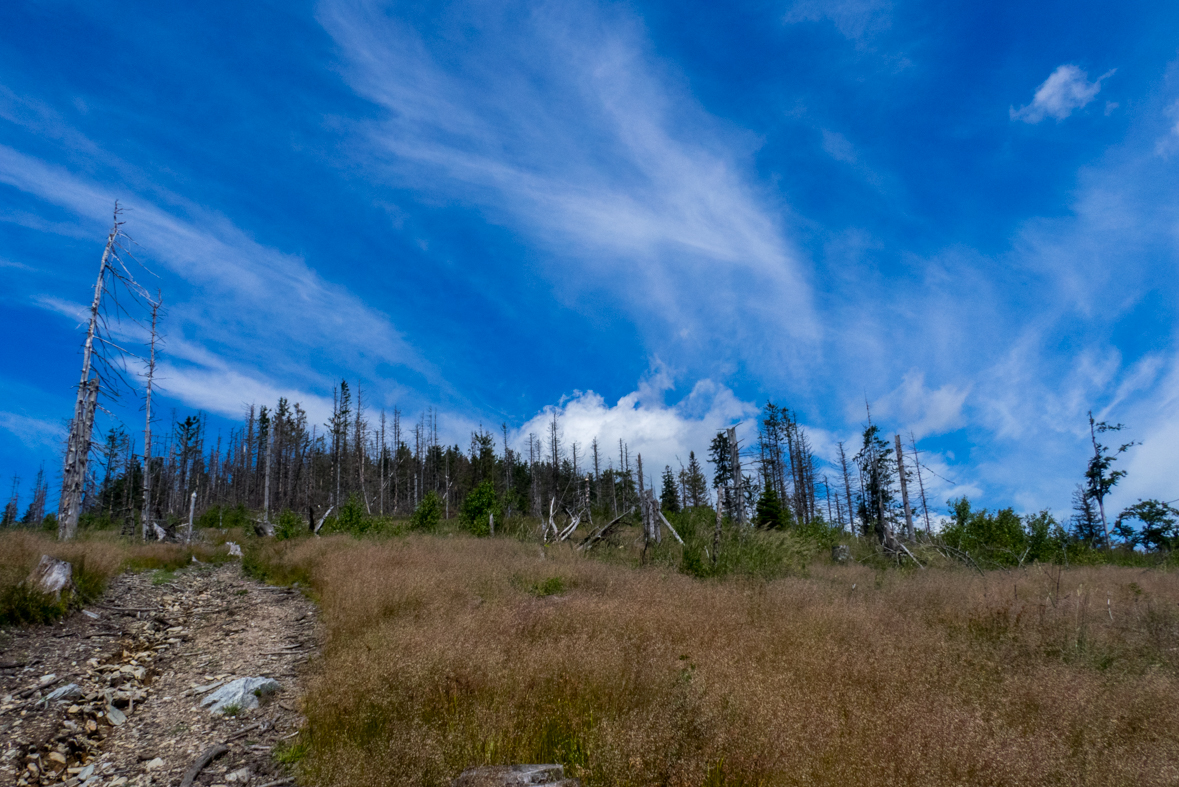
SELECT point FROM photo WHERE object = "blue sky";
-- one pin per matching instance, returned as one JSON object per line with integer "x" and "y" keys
{"x": 652, "y": 216}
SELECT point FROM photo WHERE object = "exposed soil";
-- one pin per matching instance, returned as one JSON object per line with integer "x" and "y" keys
{"x": 142, "y": 659}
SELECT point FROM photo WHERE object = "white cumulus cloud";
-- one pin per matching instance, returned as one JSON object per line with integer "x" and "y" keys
{"x": 1066, "y": 90}
{"x": 662, "y": 433}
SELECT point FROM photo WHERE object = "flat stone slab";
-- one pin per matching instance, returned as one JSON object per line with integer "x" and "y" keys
{"x": 241, "y": 693}
{"x": 515, "y": 776}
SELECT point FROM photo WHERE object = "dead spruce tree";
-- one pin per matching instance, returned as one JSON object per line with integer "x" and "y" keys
{"x": 102, "y": 359}
{"x": 145, "y": 509}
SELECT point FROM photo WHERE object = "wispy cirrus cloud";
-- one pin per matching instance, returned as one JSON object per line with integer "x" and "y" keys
{"x": 854, "y": 19}
{"x": 255, "y": 306}
{"x": 1067, "y": 89}
{"x": 559, "y": 124}
{"x": 33, "y": 432}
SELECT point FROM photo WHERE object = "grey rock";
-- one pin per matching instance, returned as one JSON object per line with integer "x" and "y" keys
{"x": 515, "y": 776}
{"x": 240, "y": 693}
{"x": 115, "y": 716}
{"x": 70, "y": 691}
{"x": 52, "y": 576}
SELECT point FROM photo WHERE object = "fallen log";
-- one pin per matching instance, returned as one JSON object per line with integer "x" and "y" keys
{"x": 207, "y": 756}
{"x": 604, "y": 530}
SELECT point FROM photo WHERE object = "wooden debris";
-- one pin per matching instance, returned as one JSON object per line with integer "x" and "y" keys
{"x": 209, "y": 754}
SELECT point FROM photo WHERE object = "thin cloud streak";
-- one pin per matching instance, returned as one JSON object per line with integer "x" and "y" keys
{"x": 567, "y": 132}
{"x": 256, "y": 304}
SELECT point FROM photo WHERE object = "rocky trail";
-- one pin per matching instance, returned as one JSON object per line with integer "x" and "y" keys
{"x": 133, "y": 690}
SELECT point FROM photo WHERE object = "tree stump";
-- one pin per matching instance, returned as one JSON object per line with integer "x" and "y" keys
{"x": 841, "y": 553}
{"x": 51, "y": 577}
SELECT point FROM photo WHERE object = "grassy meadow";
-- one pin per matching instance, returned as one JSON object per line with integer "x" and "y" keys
{"x": 445, "y": 651}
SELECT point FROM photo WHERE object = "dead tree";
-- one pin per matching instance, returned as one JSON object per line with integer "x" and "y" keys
{"x": 191, "y": 511}
{"x": 851, "y": 517}
{"x": 111, "y": 271}
{"x": 266, "y": 483}
{"x": 909, "y": 534}
{"x": 716, "y": 534}
{"x": 921, "y": 485}
{"x": 738, "y": 479}
{"x": 145, "y": 511}
{"x": 73, "y": 473}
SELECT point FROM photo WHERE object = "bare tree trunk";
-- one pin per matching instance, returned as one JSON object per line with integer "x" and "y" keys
{"x": 921, "y": 485}
{"x": 73, "y": 474}
{"x": 738, "y": 479}
{"x": 266, "y": 484}
{"x": 507, "y": 474}
{"x": 909, "y": 534}
{"x": 1100, "y": 497}
{"x": 716, "y": 534}
{"x": 851, "y": 518}
{"x": 381, "y": 462}
{"x": 191, "y": 511}
{"x": 827, "y": 494}
{"x": 644, "y": 508}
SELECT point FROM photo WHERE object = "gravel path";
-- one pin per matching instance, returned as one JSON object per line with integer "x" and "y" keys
{"x": 139, "y": 663}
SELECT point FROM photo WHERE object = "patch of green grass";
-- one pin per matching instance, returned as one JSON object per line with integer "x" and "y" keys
{"x": 291, "y": 753}
{"x": 232, "y": 709}
{"x": 547, "y": 587}
{"x": 23, "y": 606}
{"x": 163, "y": 576}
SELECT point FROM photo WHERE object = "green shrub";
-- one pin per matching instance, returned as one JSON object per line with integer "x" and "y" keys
{"x": 743, "y": 550}
{"x": 768, "y": 513}
{"x": 480, "y": 503}
{"x": 547, "y": 587}
{"x": 224, "y": 517}
{"x": 428, "y": 514}
{"x": 352, "y": 517}
{"x": 289, "y": 525}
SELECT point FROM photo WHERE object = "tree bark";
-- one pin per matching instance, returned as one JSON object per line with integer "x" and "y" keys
{"x": 909, "y": 534}
{"x": 191, "y": 511}
{"x": 716, "y": 534}
{"x": 921, "y": 485}
{"x": 73, "y": 474}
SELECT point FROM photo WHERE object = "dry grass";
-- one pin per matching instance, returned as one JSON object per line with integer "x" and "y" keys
{"x": 96, "y": 558}
{"x": 443, "y": 653}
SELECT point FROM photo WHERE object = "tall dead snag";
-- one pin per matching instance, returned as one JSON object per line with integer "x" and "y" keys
{"x": 716, "y": 534}
{"x": 191, "y": 512}
{"x": 921, "y": 485}
{"x": 73, "y": 472}
{"x": 77, "y": 454}
{"x": 266, "y": 484}
{"x": 145, "y": 511}
{"x": 738, "y": 479}
{"x": 851, "y": 517}
{"x": 909, "y": 534}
